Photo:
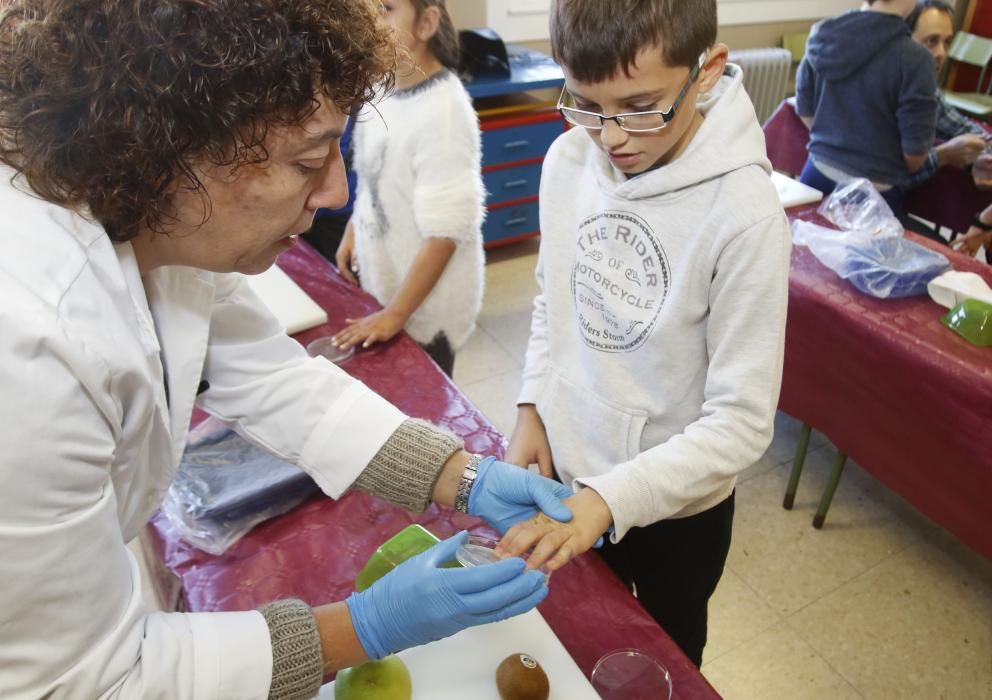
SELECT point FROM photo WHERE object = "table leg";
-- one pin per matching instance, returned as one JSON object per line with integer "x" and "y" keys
{"x": 828, "y": 493}
{"x": 797, "y": 466}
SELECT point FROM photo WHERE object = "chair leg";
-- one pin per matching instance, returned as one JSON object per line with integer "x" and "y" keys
{"x": 797, "y": 466}
{"x": 828, "y": 493}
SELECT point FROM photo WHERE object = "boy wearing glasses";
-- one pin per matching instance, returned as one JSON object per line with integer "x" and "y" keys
{"x": 655, "y": 357}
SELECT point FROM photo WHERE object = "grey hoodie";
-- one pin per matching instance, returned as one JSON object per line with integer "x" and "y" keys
{"x": 656, "y": 345}
{"x": 871, "y": 91}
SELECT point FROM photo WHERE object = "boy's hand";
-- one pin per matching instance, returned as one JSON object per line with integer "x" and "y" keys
{"x": 556, "y": 543}
{"x": 374, "y": 328}
{"x": 529, "y": 441}
{"x": 345, "y": 257}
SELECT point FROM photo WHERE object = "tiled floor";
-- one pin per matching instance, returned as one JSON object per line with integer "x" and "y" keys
{"x": 881, "y": 603}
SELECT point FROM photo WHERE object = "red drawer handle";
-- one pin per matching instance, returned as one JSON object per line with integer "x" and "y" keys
{"x": 517, "y": 221}
{"x": 516, "y": 144}
{"x": 515, "y": 183}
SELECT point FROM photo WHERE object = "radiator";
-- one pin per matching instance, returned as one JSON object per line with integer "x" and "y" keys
{"x": 766, "y": 76}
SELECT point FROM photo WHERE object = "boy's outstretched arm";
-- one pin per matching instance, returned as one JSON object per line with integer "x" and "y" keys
{"x": 556, "y": 543}
{"x": 426, "y": 270}
{"x": 529, "y": 441}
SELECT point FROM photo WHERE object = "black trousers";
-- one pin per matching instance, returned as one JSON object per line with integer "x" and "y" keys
{"x": 441, "y": 352}
{"x": 675, "y": 565}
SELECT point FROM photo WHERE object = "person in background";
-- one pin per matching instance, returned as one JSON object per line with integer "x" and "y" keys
{"x": 416, "y": 234}
{"x": 151, "y": 155}
{"x": 327, "y": 230}
{"x": 867, "y": 92}
{"x": 655, "y": 356}
{"x": 960, "y": 140}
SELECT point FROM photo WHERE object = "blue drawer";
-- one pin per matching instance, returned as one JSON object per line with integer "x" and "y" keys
{"x": 507, "y": 222}
{"x": 512, "y": 183}
{"x": 521, "y": 142}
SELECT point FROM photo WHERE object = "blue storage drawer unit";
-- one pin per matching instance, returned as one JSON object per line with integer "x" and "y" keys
{"x": 512, "y": 183}
{"x": 514, "y": 221}
{"x": 523, "y": 142}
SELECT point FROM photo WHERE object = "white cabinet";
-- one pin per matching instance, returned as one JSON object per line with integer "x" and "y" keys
{"x": 519, "y": 20}
{"x": 513, "y": 20}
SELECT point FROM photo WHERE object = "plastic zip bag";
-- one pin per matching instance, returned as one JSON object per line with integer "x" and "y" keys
{"x": 225, "y": 486}
{"x": 869, "y": 251}
{"x": 858, "y": 206}
{"x": 882, "y": 266}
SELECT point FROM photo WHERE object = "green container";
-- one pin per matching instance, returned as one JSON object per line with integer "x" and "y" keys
{"x": 972, "y": 320}
{"x": 408, "y": 542}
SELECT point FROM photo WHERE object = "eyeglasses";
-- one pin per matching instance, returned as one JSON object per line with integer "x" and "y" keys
{"x": 631, "y": 122}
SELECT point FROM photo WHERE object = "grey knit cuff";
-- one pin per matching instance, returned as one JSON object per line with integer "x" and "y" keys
{"x": 297, "y": 658}
{"x": 407, "y": 466}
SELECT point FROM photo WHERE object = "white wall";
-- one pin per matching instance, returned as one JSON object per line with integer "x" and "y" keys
{"x": 527, "y": 20}
{"x": 733, "y": 12}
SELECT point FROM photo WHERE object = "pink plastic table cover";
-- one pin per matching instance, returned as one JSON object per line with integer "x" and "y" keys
{"x": 315, "y": 551}
{"x": 905, "y": 397}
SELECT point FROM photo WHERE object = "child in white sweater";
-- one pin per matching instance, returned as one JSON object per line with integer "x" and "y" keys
{"x": 415, "y": 234}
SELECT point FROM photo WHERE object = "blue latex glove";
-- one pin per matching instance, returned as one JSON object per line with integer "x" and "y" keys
{"x": 505, "y": 494}
{"x": 418, "y": 602}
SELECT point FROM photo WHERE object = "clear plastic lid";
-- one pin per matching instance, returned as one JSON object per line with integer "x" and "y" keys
{"x": 479, "y": 551}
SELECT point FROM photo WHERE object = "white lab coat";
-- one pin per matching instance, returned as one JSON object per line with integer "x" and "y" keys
{"x": 90, "y": 440}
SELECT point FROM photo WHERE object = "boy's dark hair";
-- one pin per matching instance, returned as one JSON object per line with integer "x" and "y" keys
{"x": 108, "y": 104}
{"x": 596, "y": 39}
{"x": 924, "y": 5}
{"x": 444, "y": 44}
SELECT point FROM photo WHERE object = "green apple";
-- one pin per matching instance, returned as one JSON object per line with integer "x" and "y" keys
{"x": 387, "y": 679}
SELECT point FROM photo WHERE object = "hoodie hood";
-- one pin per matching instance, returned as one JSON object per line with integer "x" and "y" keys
{"x": 840, "y": 46}
{"x": 729, "y": 139}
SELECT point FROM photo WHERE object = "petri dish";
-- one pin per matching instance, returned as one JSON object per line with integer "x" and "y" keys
{"x": 325, "y": 347}
{"x": 629, "y": 674}
{"x": 479, "y": 551}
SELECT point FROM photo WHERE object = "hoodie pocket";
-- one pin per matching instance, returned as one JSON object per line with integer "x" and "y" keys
{"x": 589, "y": 435}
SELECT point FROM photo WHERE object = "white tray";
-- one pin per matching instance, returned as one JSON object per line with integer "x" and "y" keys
{"x": 793, "y": 193}
{"x": 290, "y": 304}
{"x": 463, "y": 667}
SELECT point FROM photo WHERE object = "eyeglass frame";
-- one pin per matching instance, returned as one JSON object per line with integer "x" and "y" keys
{"x": 667, "y": 116}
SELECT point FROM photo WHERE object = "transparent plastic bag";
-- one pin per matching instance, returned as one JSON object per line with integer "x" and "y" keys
{"x": 882, "y": 266}
{"x": 858, "y": 206}
{"x": 225, "y": 486}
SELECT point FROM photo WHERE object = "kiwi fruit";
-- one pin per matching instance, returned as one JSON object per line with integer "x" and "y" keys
{"x": 520, "y": 677}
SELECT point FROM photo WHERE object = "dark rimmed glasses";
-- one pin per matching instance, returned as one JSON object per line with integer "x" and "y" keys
{"x": 631, "y": 122}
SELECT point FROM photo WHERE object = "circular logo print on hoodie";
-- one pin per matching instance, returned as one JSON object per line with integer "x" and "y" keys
{"x": 619, "y": 280}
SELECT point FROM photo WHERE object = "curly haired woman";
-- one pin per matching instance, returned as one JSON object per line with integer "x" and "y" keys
{"x": 149, "y": 153}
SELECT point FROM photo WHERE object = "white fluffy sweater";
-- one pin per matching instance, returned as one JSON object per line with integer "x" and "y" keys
{"x": 417, "y": 156}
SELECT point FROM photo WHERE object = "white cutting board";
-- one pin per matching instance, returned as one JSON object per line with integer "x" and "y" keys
{"x": 290, "y": 304}
{"x": 463, "y": 667}
{"x": 793, "y": 193}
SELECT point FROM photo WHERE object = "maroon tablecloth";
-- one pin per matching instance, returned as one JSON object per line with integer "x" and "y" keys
{"x": 315, "y": 551}
{"x": 906, "y": 398}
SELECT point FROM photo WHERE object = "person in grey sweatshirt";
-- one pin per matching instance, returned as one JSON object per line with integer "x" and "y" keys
{"x": 655, "y": 357}
{"x": 868, "y": 93}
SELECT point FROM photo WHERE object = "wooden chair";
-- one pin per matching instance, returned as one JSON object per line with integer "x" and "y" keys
{"x": 974, "y": 51}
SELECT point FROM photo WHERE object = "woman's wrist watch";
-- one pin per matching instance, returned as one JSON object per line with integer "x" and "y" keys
{"x": 466, "y": 483}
